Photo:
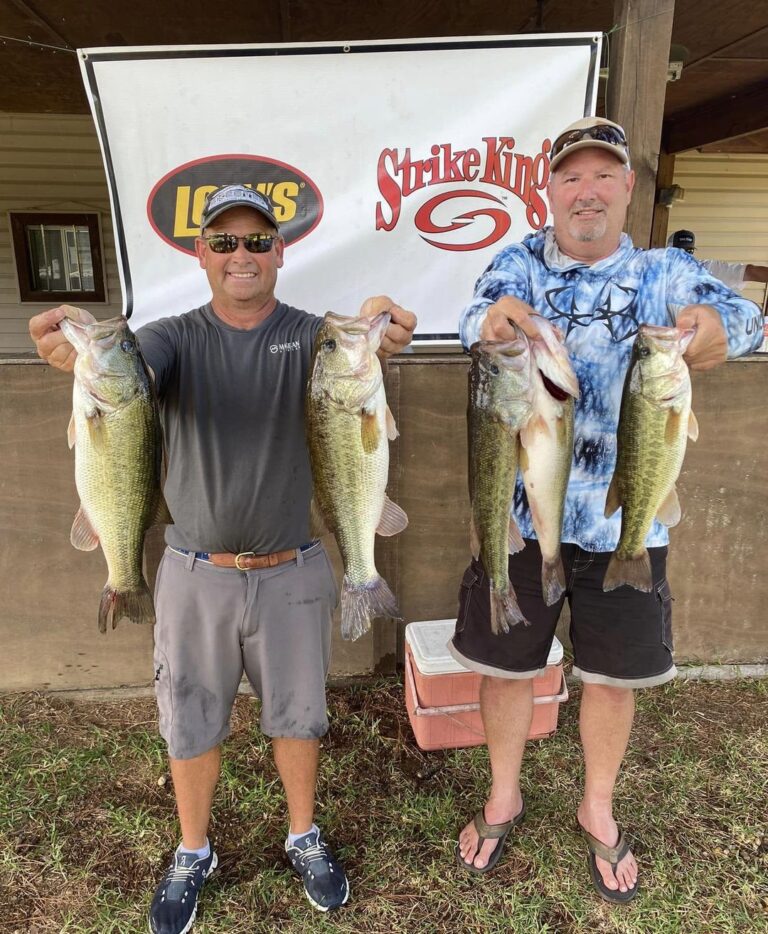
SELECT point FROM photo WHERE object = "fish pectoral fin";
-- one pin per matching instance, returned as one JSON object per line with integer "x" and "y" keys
{"x": 162, "y": 514}
{"x": 515, "y": 541}
{"x": 71, "y": 432}
{"x": 369, "y": 432}
{"x": 393, "y": 519}
{"x": 94, "y": 422}
{"x": 693, "y": 427}
{"x": 317, "y": 524}
{"x": 83, "y": 536}
{"x": 392, "y": 431}
{"x": 612, "y": 499}
{"x": 673, "y": 426}
{"x": 474, "y": 539}
{"x": 669, "y": 513}
{"x": 536, "y": 425}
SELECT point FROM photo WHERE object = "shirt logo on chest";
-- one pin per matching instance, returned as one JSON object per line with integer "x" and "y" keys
{"x": 285, "y": 348}
{"x": 616, "y": 309}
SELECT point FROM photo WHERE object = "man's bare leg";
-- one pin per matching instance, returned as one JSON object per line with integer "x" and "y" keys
{"x": 605, "y": 723}
{"x": 506, "y": 705}
{"x": 194, "y": 781}
{"x": 296, "y": 761}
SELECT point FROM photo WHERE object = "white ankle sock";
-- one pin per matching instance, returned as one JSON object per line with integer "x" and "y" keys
{"x": 202, "y": 853}
{"x": 293, "y": 837}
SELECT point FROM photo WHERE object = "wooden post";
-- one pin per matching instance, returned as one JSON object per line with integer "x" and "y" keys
{"x": 637, "y": 86}
{"x": 664, "y": 179}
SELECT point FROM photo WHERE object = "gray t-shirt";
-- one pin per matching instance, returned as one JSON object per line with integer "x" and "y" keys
{"x": 232, "y": 406}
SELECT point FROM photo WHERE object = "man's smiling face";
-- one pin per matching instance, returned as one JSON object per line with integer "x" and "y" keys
{"x": 241, "y": 280}
{"x": 589, "y": 193}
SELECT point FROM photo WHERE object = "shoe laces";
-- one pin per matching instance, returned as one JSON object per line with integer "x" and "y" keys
{"x": 185, "y": 874}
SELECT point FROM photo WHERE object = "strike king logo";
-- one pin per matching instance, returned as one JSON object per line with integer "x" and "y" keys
{"x": 176, "y": 202}
{"x": 496, "y": 163}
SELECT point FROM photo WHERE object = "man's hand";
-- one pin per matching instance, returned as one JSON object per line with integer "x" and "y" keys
{"x": 709, "y": 347}
{"x": 49, "y": 339}
{"x": 399, "y": 330}
{"x": 497, "y": 324}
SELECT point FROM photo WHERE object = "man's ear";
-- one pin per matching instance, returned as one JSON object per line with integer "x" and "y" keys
{"x": 630, "y": 184}
{"x": 200, "y": 248}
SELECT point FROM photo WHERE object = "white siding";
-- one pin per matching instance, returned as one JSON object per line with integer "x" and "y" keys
{"x": 726, "y": 207}
{"x": 49, "y": 163}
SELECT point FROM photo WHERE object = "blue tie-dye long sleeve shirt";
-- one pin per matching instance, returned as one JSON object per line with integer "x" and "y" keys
{"x": 599, "y": 309}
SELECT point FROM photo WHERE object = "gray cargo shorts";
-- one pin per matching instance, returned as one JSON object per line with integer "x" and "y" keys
{"x": 215, "y": 623}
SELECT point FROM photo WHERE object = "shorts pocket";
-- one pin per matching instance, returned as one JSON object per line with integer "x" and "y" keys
{"x": 163, "y": 693}
{"x": 665, "y": 598}
{"x": 469, "y": 581}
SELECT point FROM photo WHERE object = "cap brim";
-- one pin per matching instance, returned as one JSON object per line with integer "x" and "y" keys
{"x": 616, "y": 151}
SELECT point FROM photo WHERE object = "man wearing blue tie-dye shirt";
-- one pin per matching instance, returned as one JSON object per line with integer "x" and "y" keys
{"x": 585, "y": 275}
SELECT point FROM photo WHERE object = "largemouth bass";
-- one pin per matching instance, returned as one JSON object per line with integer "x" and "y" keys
{"x": 349, "y": 427}
{"x": 546, "y": 451}
{"x": 500, "y": 398}
{"x": 655, "y": 422}
{"x": 115, "y": 430}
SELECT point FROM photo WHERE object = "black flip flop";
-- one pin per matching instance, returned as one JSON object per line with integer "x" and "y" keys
{"x": 613, "y": 855}
{"x": 485, "y": 832}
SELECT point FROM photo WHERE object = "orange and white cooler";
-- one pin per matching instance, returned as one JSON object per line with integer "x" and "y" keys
{"x": 443, "y": 698}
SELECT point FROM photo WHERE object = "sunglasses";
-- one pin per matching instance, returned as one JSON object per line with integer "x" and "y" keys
{"x": 254, "y": 243}
{"x": 600, "y": 133}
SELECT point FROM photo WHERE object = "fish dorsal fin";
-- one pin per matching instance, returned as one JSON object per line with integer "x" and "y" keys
{"x": 669, "y": 513}
{"x": 393, "y": 519}
{"x": 474, "y": 539}
{"x": 693, "y": 427}
{"x": 392, "y": 431}
{"x": 317, "y": 524}
{"x": 369, "y": 432}
{"x": 612, "y": 499}
{"x": 515, "y": 541}
{"x": 162, "y": 514}
{"x": 83, "y": 536}
{"x": 71, "y": 432}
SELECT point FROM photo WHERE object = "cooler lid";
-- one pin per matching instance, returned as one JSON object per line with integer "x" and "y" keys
{"x": 429, "y": 638}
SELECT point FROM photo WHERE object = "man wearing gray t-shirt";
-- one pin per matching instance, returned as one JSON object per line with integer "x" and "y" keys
{"x": 241, "y": 586}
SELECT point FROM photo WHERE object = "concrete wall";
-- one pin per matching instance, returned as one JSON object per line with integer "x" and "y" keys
{"x": 50, "y": 592}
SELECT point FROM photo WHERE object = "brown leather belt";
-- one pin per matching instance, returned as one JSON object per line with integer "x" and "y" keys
{"x": 247, "y": 560}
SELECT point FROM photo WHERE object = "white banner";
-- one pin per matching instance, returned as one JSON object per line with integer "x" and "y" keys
{"x": 397, "y": 167}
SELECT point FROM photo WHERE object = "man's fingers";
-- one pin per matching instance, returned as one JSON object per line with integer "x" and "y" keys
{"x": 46, "y": 321}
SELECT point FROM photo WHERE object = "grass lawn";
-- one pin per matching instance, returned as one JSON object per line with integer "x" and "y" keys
{"x": 87, "y": 821}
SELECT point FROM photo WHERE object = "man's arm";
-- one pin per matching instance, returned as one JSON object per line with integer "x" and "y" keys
{"x": 727, "y": 325}
{"x": 400, "y": 329}
{"x": 502, "y": 296}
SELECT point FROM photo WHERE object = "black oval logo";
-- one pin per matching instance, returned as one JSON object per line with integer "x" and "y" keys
{"x": 176, "y": 202}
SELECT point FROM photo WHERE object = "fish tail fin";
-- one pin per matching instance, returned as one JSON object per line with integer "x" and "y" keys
{"x": 135, "y": 605}
{"x": 363, "y": 603}
{"x": 634, "y": 571}
{"x": 552, "y": 580}
{"x": 505, "y": 611}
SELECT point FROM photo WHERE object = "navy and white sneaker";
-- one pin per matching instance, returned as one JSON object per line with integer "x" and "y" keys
{"x": 174, "y": 906}
{"x": 325, "y": 881}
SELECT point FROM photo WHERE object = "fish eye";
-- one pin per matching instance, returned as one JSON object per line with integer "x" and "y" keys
{"x": 126, "y": 345}
{"x": 494, "y": 369}
{"x": 329, "y": 344}
{"x": 645, "y": 351}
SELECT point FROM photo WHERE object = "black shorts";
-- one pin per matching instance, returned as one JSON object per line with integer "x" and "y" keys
{"x": 621, "y": 638}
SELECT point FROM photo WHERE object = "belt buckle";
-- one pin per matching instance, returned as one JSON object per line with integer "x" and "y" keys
{"x": 243, "y": 554}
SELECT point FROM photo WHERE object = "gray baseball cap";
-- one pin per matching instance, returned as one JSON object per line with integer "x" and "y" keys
{"x": 235, "y": 196}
